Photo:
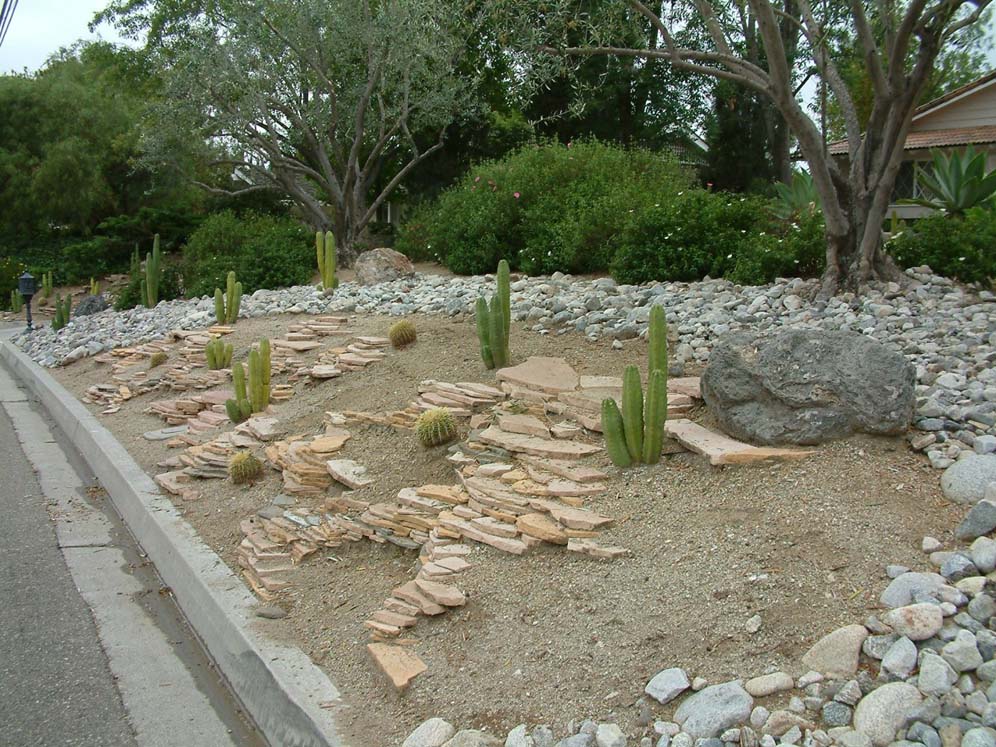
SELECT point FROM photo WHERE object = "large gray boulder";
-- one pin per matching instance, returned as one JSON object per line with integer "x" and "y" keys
{"x": 807, "y": 386}
{"x": 91, "y": 305}
{"x": 382, "y": 265}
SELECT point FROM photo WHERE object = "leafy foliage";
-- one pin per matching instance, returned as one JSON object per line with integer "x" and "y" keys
{"x": 263, "y": 250}
{"x": 797, "y": 199}
{"x": 544, "y": 208}
{"x": 957, "y": 181}
{"x": 959, "y": 247}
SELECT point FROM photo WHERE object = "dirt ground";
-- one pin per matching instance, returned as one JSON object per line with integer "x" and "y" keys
{"x": 552, "y": 636}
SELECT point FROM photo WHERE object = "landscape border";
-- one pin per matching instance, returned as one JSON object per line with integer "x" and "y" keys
{"x": 278, "y": 685}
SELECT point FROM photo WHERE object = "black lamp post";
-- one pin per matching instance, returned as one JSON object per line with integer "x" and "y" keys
{"x": 26, "y": 286}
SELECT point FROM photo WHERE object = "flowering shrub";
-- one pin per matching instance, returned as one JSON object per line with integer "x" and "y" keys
{"x": 544, "y": 208}
{"x": 958, "y": 247}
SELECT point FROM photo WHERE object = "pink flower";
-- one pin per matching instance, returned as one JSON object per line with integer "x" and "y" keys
{"x": 515, "y": 195}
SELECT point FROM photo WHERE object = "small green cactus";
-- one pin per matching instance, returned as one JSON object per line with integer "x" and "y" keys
{"x": 16, "y": 302}
{"x": 153, "y": 274}
{"x": 259, "y": 376}
{"x": 325, "y": 249}
{"x": 402, "y": 334}
{"x": 637, "y": 433}
{"x": 227, "y": 304}
{"x": 94, "y": 287}
{"x": 219, "y": 355}
{"x": 632, "y": 412}
{"x": 243, "y": 467}
{"x": 135, "y": 269}
{"x": 46, "y": 285}
{"x": 157, "y": 359}
{"x": 615, "y": 438}
{"x": 494, "y": 320}
{"x": 240, "y": 408}
{"x": 657, "y": 341}
{"x": 435, "y": 427}
{"x": 63, "y": 310}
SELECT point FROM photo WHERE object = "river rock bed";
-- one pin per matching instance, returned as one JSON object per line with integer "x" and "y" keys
{"x": 948, "y": 331}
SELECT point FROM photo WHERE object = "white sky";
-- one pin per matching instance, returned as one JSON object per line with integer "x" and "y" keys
{"x": 40, "y": 27}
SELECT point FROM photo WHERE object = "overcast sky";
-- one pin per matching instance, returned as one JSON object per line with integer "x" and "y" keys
{"x": 40, "y": 27}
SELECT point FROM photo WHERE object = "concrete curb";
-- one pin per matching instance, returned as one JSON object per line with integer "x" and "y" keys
{"x": 278, "y": 685}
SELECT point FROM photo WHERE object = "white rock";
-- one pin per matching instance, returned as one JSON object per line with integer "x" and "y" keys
{"x": 880, "y": 713}
{"x": 767, "y": 684}
{"x": 431, "y": 733}
{"x": 836, "y": 654}
{"x": 667, "y": 685}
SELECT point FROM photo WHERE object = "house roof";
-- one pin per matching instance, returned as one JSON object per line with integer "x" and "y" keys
{"x": 952, "y": 136}
{"x": 935, "y": 139}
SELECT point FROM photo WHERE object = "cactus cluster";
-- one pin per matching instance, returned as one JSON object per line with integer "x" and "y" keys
{"x": 243, "y": 467}
{"x": 157, "y": 359}
{"x": 94, "y": 287}
{"x": 16, "y": 302}
{"x": 637, "y": 433}
{"x": 257, "y": 397}
{"x": 435, "y": 427}
{"x": 402, "y": 334}
{"x": 325, "y": 249}
{"x": 46, "y": 292}
{"x": 493, "y": 322}
{"x": 62, "y": 312}
{"x": 135, "y": 269}
{"x": 227, "y": 303}
{"x": 153, "y": 274}
{"x": 219, "y": 355}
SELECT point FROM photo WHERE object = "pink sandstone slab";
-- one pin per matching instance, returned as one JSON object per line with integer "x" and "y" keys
{"x": 551, "y": 375}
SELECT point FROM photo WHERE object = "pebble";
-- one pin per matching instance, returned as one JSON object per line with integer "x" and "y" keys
{"x": 962, "y": 653}
{"x": 936, "y": 677}
{"x": 431, "y": 733}
{"x": 271, "y": 612}
{"x": 900, "y": 659}
{"x": 880, "y": 713}
{"x": 980, "y": 520}
{"x": 943, "y": 328}
{"x": 965, "y": 481}
{"x": 918, "y": 622}
{"x": 667, "y": 685}
{"x": 713, "y": 709}
{"x": 837, "y": 652}
{"x": 768, "y": 684}
{"x": 609, "y": 735}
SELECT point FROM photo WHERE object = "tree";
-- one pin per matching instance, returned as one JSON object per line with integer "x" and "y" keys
{"x": 854, "y": 194}
{"x": 320, "y": 100}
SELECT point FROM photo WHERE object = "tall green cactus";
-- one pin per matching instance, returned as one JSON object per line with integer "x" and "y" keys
{"x": 657, "y": 339}
{"x": 259, "y": 376}
{"x": 153, "y": 274}
{"x": 219, "y": 355}
{"x": 240, "y": 408}
{"x": 62, "y": 312}
{"x": 94, "y": 287}
{"x": 227, "y": 304}
{"x": 637, "y": 434}
{"x": 135, "y": 269}
{"x": 615, "y": 438}
{"x": 494, "y": 321}
{"x": 325, "y": 249}
{"x": 46, "y": 285}
{"x": 654, "y": 417}
{"x": 16, "y": 302}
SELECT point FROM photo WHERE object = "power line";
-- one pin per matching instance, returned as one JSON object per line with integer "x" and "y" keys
{"x": 6, "y": 15}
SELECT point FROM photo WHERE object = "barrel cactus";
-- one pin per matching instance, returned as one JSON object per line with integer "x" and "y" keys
{"x": 435, "y": 427}
{"x": 244, "y": 467}
{"x": 402, "y": 334}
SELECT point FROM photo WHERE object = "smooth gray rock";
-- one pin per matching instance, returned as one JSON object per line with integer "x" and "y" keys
{"x": 711, "y": 710}
{"x": 900, "y": 660}
{"x": 807, "y": 386}
{"x": 880, "y": 713}
{"x": 519, "y": 737}
{"x": 936, "y": 676}
{"x": 91, "y": 305}
{"x": 980, "y": 520}
{"x": 667, "y": 685}
{"x": 962, "y": 653}
{"x": 609, "y": 735}
{"x": 901, "y": 591}
{"x": 965, "y": 481}
{"x": 979, "y": 737}
{"x": 433, "y": 732}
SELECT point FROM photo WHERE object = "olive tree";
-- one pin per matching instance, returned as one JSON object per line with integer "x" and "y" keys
{"x": 326, "y": 101}
{"x": 899, "y": 40}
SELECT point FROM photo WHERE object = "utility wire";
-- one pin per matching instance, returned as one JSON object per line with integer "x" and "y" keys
{"x": 6, "y": 15}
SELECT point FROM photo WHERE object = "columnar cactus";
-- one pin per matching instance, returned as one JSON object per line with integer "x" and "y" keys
{"x": 135, "y": 269}
{"x": 219, "y": 355}
{"x": 637, "y": 434}
{"x": 46, "y": 285}
{"x": 16, "y": 302}
{"x": 657, "y": 339}
{"x": 62, "y": 312}
{"x": 259, "y": 376}
{"x": 227, "y": 304}
{"x": 94, "y": 287}
{"x": 325, "y": 249}
{"x": 153, "y": 273}
{"x": 240, "y": 408}
{"x": 494, "y": 321}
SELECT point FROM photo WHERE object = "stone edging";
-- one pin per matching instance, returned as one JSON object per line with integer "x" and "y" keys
{"x": 278, "y": 685}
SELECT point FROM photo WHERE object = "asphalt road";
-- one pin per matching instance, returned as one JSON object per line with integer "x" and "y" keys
{"x": 93, "y": 651}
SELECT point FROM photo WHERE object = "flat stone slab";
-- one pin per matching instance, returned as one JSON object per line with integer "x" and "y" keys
{"x": 550, "y": 375}
{"x": 324, "y": 371}
{"x": 349, "y": 473}
{"x": 298, "y": 346}
{"x": 533, "y": 446}
{"x": 568, "y": 470}
{"x": 722, "y": 449}
{"x": 164, "y": 434}
{"x": 687, "y": 385}
{"x": 399, "y": 664}
{"x": 528, "y": 425}
{"x": 541, "y": 527}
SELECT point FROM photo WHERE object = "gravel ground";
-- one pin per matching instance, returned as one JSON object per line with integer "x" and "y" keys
{"x": 550, "y": 636}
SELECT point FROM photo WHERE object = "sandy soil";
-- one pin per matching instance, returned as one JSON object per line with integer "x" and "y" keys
{"x": 551, "y": 636}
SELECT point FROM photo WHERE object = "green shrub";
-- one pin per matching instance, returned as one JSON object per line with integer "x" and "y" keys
{"x": 543, "y": 208}
{"x": 10, "y": 271}
{"x": 701, "y": 233}
{"x": 264, "y": 251}
{"x": 957, "y": 247}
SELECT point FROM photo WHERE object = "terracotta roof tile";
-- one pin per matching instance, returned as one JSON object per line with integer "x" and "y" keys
{"x": 935, "y": 138}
